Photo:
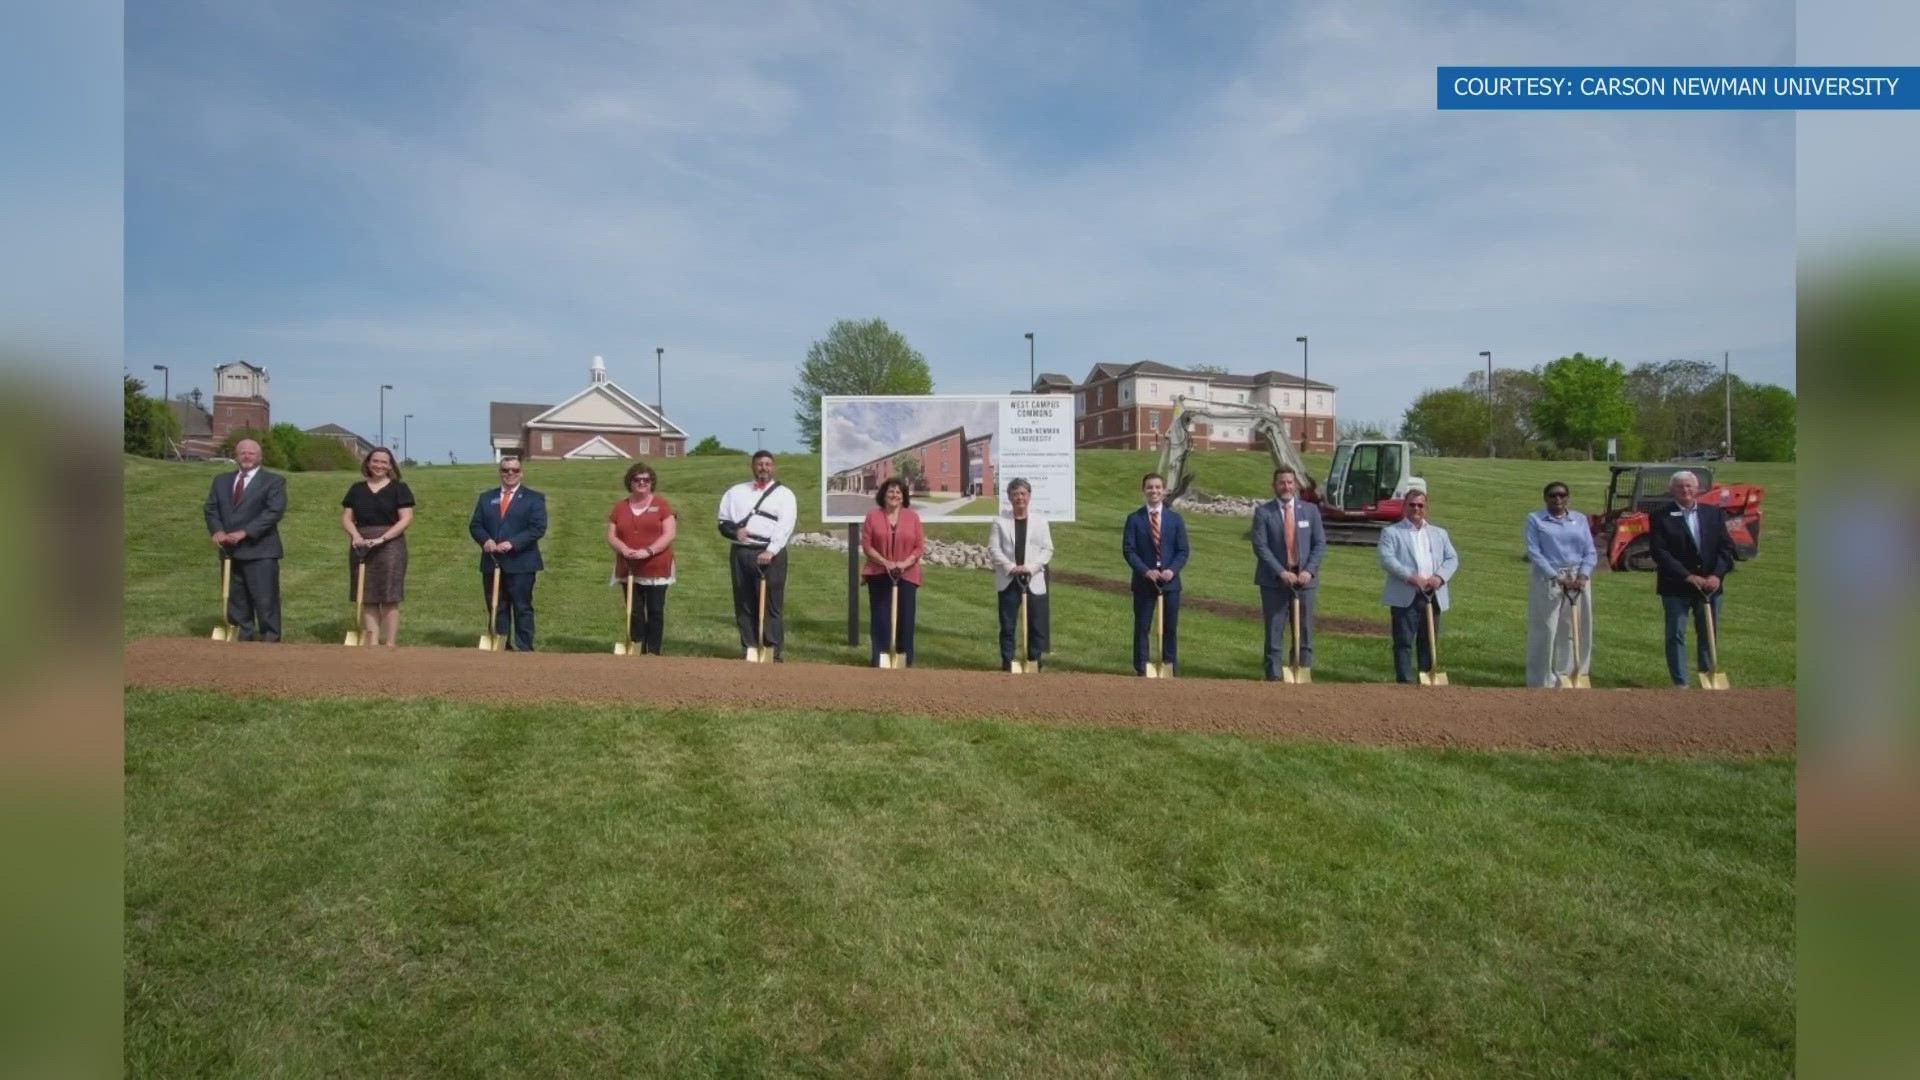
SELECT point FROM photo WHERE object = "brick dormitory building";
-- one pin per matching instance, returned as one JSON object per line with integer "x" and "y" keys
{"x": 1128, "y": 406}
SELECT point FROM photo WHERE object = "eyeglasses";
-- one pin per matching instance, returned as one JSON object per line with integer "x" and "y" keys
{"x": 643, "y": 479}
{"x": 506, "y": 472}
{"x": 1416, "y": 506}
{"x": 1556, "y": 494}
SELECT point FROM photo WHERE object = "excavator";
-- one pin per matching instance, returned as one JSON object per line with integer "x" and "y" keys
{"x": 1365, "y": 486}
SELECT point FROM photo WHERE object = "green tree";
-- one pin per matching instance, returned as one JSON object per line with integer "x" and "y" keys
{"x": 1514, "y": 392}
{"x": 1765, "y": 419}
{"x": 147, "y": 424}
{"x": 908, "y": 468}
{"x": 856, "y": 358}
{"x": 1361, "y": 429}
{"x": 1451, "y": 423}
{"x": 317, "y": 453}
{"x": 1582, "y": 399}
{"x": 711, "y": 447}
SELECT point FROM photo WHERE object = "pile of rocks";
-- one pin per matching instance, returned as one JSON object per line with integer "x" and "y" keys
{"x": 1207, "y": 502}
{"x": 939, "y": 552}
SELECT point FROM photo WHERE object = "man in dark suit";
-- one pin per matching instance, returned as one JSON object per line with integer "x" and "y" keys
{"x": 1288, "y": 543}
{"x": 243, "y": 514}
{"x": 1155, "y": 545}
{"x": 508, "y": 523}
{"x": 1692, "y": 555}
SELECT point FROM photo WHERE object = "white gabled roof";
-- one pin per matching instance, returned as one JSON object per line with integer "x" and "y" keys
{"x": 596, "y": 447}
{"x": 605, "y": 406}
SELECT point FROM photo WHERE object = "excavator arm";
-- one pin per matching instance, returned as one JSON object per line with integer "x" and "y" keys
{"x": 1263, "y": 420}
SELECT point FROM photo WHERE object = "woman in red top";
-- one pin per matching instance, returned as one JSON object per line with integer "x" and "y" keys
{"x": 640, "y": 531}
{"x": 893, "y": 541}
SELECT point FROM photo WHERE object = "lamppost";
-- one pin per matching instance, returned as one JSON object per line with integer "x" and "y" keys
{"x": 660, "y": 388}
{"x": 384, "y": 387}
{"x": 166, "y": 382}
{"x": 1488, "y": 356}
{"x": 756, "y": 438}
{"x": 1030, "y": 375}
{"x": 1302, "y": 339}
{"x": 404, "y": 426}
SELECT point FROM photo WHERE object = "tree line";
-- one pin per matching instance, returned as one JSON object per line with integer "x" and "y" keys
{"x": 1567, "y": 409}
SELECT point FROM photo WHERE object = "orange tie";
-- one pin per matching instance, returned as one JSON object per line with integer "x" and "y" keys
{"x": 1153, "y": 524}
{"x": 506, "y": 500}
{"x": 1286, "y": 522}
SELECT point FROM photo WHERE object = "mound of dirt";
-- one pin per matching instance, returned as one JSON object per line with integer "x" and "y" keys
{"x": 1637, "y": 721}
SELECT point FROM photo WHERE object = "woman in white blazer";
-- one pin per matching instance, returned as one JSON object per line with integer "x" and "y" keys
{"x": 1419, "y": 561}
{"x": 1021, "y": 548}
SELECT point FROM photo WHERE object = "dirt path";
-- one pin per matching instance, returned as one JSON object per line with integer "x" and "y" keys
{"x": 1639, "y": 721}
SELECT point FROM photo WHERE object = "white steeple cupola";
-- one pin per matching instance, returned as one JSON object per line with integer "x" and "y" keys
{"x": 599, "y": 370}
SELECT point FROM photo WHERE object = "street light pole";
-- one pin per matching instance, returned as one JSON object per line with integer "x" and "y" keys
{"x": 756, "y": 438}
{"x": 1031, "y": 377}
{"x": 660, "y": 388}
{"x": 404, "y": 427}
{"x": 384, "y": 387}
{"x": 166, "y": 382}
{"x": 1726, "y": 360}
{"x": 1489, "y": 358}
{"x": 1302, "y": 339}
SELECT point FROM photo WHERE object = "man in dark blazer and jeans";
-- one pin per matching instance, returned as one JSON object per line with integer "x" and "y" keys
{"x": 1154, "y": 543}
{"x": 243, "y": 514}
{"x": 508, "y": 523}
{"x": 1692, "y": 555}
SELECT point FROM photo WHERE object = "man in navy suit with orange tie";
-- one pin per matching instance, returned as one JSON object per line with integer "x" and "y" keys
{"x": 1155, "y": 545}
{"x": 508, "y": 523}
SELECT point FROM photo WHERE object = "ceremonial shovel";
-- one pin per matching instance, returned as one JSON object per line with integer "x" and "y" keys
{"x": 1020, "y": 665}
{"x": 226, "y": 631}
{"x": 893, "y": 659}
{"x": 1433, "y": 676}
{"x": 760, "y": 653}
{"x": 1715, "y": 679}
{"x": 359, "y": 603}
{"x": 625, "y": 647}
{"x": 490, "y": 641}
{"x": 1298, "y": 672}
{"x": 1157, "y": 667}
{"x": 1578, "y": 680}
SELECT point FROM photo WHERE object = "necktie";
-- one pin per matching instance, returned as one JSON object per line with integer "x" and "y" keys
{"x": 1286, "y": 522}
{"x": 1153, "y": 524}
{"x": 239, "y": 487}
{"x": 506, "y": 500}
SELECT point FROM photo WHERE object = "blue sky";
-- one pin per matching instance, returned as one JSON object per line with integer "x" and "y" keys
{"x": 471, "y": 200}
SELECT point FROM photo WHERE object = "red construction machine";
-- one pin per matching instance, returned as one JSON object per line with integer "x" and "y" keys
{"x": 1634, "y": 492}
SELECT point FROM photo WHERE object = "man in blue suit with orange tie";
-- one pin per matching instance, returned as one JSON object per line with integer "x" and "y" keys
{"x": 1155, "y": 545}
{"x": 1288, "y": 543}
{"x": 508, "y": 523}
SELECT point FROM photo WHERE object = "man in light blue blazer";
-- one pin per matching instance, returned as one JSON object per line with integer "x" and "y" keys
{"x": 1419, "y": 559}
{"x": 508, "y": 522}
{"x": 1288, "y": 543}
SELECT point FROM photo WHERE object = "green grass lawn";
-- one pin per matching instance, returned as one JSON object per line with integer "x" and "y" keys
{"x": 422, "y": 888}
{"x": 172, "y": 581}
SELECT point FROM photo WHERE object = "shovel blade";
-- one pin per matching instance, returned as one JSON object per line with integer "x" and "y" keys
{"x": 886, "y": 661}
{"x": 1439, "y": 678}
{"x": 759, "y": 655}
{"x": 1582, "y": 682}
{"x": 1019, "y": 667}
{"x": 1714, "y": 680}
{"x": 1155, "y": 671}
{"x": 353, "y": 639}
{"x": 1300, "y": 675}
{"x": 487, "y": 643}
{"x": 220, "y": 634}
{"x": 621, "y": 648}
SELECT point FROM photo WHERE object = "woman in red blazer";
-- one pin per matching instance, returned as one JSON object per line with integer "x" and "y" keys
{"x": 893, "y": 542}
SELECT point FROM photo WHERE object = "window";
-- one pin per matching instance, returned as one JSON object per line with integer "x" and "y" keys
{"x": 671, "y": 448}
{"x": 1083, "y": 431}
{"x": 1241, "y": 398}
{"x": 1126, "y": 393}
{"x": 1154, "y": 389}
{"x": 546, "y": 440}
{"x": 1154, "y": 419}
{"x": 1099, "y": 426}
{"x": 1319, "y": 429}
{"x": 646, "y": 446}
{"x": 1126, "y": 421}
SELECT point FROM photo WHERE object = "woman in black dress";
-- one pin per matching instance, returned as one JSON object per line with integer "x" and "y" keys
{"x": 378, "y": 511}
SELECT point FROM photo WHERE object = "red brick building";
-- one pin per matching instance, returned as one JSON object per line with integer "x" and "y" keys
{"x": 239, "y": 400}
{"x": 949, "y": 462}
{"x": 602, "y": 421}
{"x": 1128, "y": 406}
